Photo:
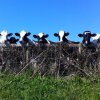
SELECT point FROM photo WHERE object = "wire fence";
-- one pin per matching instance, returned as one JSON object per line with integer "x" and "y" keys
{"x": 59, "y": 59}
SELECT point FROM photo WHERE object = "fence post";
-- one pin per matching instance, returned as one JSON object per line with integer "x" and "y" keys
{"x": 27, "y": 55}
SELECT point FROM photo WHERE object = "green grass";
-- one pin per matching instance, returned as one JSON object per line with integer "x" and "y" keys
{"x": 23, "y": 87}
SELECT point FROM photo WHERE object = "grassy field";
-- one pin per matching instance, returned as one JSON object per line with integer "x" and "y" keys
{"x": 24, "y": 87}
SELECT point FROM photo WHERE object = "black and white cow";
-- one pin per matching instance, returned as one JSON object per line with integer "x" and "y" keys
{"x": 96, "y": 39}
{"x": 86, "y": 37}
{"x": 41, "y": 37}
{"x": 13, "y": 40}
{"x": 24, "y": 38}
{"x": 62, "y": 35}
{"x": 4, "y": 37}
{"x": 86, "y": 43}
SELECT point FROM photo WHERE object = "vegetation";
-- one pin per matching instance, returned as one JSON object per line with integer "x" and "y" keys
{"x": 26, "y": 87}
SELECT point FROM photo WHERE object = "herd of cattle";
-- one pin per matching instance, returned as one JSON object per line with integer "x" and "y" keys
{"x": 8, "y": 38}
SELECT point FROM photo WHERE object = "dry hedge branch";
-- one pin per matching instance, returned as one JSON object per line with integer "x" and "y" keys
{"x": 57, "y": 59}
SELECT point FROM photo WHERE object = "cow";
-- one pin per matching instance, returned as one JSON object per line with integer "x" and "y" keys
{"x": 86, "y": 43}
{"x": 62, "y": 35}
{"x": 24, "y": 40}
{"x": 96, "y": 39}
{"x": 41, "y": 37}
{"x": 13, "y": 40}
{"x": 86, "y": 37}
{"x": 4, "y": 37}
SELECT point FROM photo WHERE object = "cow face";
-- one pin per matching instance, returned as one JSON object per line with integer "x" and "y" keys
{"x": 13, "y": 40}
{"x": 42, "y": 38}
{"x": 86, "y": 37}
{"x": 62, "y": 36}
{"x": 4, "y": 36}
{"x": 23, "y": 37}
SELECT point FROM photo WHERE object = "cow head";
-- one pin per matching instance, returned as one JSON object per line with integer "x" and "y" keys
{"x": 86, "y": 37}
{"x": 41, "y": 37}
{"x": 23, "y": 37}
{"x": 13, "y": 40}
{"x": 4, "y": 36}
{"x": 62, "y": 36}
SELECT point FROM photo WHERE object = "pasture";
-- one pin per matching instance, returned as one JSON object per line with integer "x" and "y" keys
{"x": 25, "y": 87}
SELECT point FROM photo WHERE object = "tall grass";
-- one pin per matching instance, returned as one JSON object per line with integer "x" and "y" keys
{"x": 23, "y": 87}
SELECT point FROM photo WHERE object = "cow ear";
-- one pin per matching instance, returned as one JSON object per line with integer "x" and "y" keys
{"x": 93, "y": 35}
{"x": 28, "y": 33}
{"x": 35, "y": 36}
{"x": 10, "y": 34}
{"x": 80, "y": 35}
{"x": 17, "y": 34}
{"x": 66, "y": 34}
{"x": 45, "y": 36}
{"x": 55, "y": 34}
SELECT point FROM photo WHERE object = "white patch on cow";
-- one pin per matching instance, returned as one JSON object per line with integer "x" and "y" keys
{"x": 86, "y": 42}
{"x": 40, "y": 35}
{"x": 22, "y": 34}
{"x": 61, "y": 34}
{"x": 3, "y": 36}
{"x": 86, "y": 33}
{"x": 4, "y": 33}
{"x": 96, "y": 38}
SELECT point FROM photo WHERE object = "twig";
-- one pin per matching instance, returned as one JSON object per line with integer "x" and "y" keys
{"x": 29, "y": 63}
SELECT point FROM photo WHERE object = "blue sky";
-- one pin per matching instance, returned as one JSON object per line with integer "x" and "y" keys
{"x": 50, "y": 16}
